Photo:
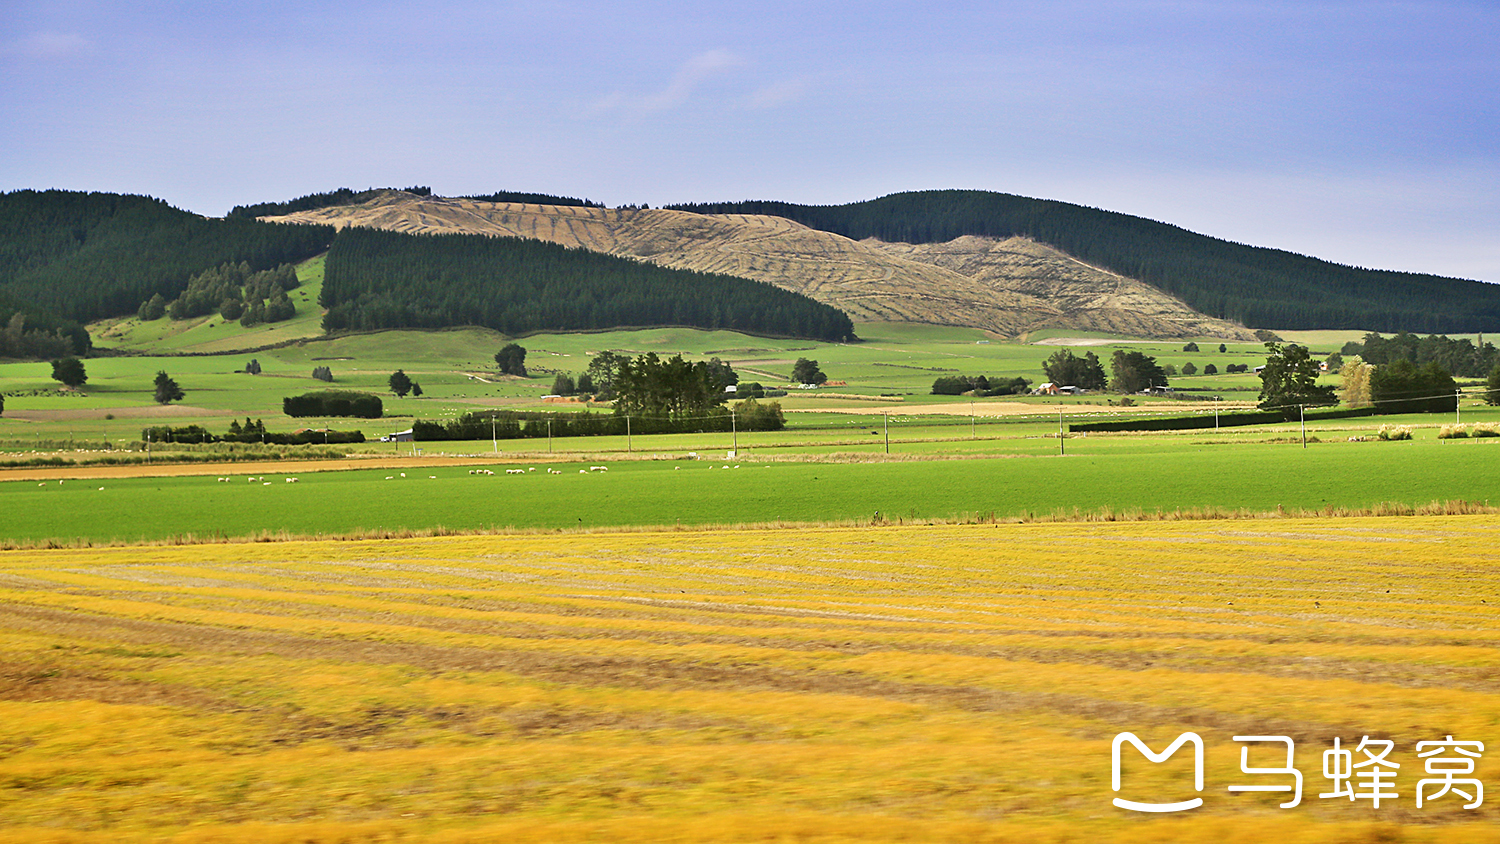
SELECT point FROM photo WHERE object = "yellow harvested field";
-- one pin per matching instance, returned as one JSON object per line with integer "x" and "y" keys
{"x": 936, "y": 683}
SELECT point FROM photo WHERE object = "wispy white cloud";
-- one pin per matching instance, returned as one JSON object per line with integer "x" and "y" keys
{"x": 48, "y": 45}
{"x": 684, "y": 83}
{"x": 778, "y": 93}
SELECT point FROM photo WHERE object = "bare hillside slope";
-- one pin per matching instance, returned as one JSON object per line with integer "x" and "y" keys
{"x": 1008, "y": 287}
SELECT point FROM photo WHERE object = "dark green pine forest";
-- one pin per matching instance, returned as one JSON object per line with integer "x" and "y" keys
{"x": 383, "y": 279}
{"x": 68, "y": 257}
{"x": 1256, "y": 286}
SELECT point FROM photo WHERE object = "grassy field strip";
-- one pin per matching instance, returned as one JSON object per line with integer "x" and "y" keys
{"x": 875, "y": 684}
{"x": 1251, "y": 477}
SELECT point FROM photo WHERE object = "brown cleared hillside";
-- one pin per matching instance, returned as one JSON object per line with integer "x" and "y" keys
{"x": 1009, "y": 287}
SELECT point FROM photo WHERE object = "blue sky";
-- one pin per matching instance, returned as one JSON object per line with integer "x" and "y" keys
{"x": 1362, "y": 132}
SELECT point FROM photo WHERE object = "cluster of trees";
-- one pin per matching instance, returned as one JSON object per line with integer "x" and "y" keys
{"x": 401, "y": 384}
{"x": 253, "y": 367}
{"x": 40, "y": 337}
{"x": 747, "y": 415}
{"x": 250, "y": 430}
{"x": 382, "y": 279}
{"x": 1133, "y": 371}
{"x": 334, "y": 403}
{"x": 805, "y": 371}
{"x": 648, "y": 386}
{"x": 1252, "y": 285}
{"x": 534, "y": 199}
{"x": 323, "y": 373}
{"x": 1403, "y": 387}
{"x": 235, "y": 291}
{"x": 1130, "y": 371}
{"x": 248, "y": 433}
{"x": 1289, "y": 381}
{"x": 979, "y": 385}
{"x": 85, "y": 256}
{"x": 1459, "y": 357}
{"x": 1066, "y": 369}
{"x": 314, "y": 201}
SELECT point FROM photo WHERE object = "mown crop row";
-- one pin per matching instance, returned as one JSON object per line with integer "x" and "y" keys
{"x": 873, "y": 684}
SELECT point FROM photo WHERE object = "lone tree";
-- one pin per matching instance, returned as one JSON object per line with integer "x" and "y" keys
{"x": 1290, "y": 379}
{"x": 70, "y": 372}
{"x": 167, "y": 390}
{"x": 806, "y": 371}
{"x": 512, "y": 360}
{"x": 400, "y": 383}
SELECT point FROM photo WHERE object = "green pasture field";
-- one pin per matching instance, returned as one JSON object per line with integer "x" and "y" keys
{"x": 1117, "y": 474}
{"x": 457, "y": 373}
{"x": 212, "y": 334}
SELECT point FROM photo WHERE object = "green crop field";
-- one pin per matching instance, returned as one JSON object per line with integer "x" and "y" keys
{"x": 1101, "y": 474}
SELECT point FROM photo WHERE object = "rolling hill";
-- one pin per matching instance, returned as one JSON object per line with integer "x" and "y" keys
{"x": 1009, "y": 286}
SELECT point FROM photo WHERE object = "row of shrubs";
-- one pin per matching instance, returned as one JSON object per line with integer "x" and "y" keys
{"x": 1460, "y": 432}
{"x": 979, "y": 385}
{"x": 1389, "y": 433}
{"x": 197, "y": 435}
{"x": 334, "y": 403}
{"x": 749, "y": 415}
{"x": 1225, "y": 420}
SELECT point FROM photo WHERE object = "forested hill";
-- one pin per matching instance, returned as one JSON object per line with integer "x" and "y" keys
{"x": 348, "y": 196}
{"x": 1256, "y": 286}
{"x": 83, "y": 256}
{"x": 385, "y": 279}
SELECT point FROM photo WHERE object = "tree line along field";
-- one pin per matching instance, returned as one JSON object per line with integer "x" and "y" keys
{"x": 842, "y": 684}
